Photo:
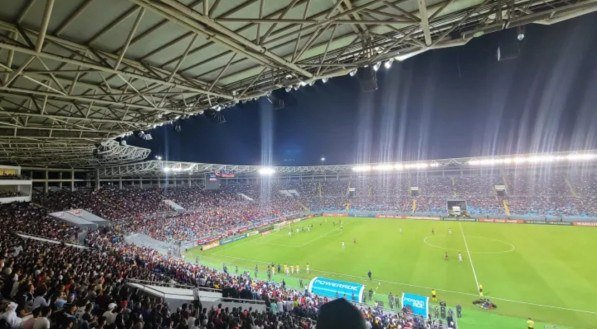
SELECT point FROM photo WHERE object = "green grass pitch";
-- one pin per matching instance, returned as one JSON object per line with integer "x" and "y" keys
{"x": 546, "y": 272}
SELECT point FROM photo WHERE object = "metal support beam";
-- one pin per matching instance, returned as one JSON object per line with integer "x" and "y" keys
{"x": 44, "y": 25}
{"x": 130, "y": 37}
{"x": 424, "y": 21}
{"x": 188, "y": 18}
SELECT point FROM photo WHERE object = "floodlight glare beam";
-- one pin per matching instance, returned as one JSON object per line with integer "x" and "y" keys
{"x": 266, "y": 171}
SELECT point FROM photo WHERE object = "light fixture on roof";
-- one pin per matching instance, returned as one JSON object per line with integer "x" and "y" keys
{"x": 158, "y": 157}
{"x": 324, "y": 79}
{"x": 352, "y": 73}
{"x": 288, "y": 89}
{"x": 388, "y": 63}
{"x": 376, "y": 66}
{"x": 520, "y": 34}
{"x": 302, "y": 83}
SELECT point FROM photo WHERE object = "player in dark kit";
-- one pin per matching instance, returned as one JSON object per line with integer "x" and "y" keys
{"x": 369, "y": 274}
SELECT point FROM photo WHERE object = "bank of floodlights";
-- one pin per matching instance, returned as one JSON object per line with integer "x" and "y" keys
{"x": 266, "y": 171}
{"x": 387, "y": 167}
{"x": 534, "y": 159}
{"x": 177, "y": 169}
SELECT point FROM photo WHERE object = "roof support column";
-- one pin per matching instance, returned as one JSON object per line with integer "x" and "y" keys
{"x": 46, "y": 184}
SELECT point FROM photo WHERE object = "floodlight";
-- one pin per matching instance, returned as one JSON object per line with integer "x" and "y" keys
{"x": 388, "y": 63}
{"x": 520, "y": 34}
{"x": 362, "y": 168}
{"x": 266, "y": 171}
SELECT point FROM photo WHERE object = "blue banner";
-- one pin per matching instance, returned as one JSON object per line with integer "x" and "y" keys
{"x": 337, "y": 289}
{"x": 419, "y": 305}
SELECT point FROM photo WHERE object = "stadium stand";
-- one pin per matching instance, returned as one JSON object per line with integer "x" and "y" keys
{"x": 84, "y": 288}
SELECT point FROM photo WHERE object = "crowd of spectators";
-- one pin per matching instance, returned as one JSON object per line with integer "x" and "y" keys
{"x": 527, "y": 194}
{"x": 240, "y": 205}
{"x": 69, "y": 287}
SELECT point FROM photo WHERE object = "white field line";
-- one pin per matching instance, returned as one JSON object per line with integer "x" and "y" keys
{"x": 364, "y": 278}
{"x": 469, "y": 257}
{"x": 304, "y": 244}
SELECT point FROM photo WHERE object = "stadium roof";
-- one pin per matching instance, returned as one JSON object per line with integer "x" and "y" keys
{"x": 76, "y": 73}
{"x": 159, "y": 168}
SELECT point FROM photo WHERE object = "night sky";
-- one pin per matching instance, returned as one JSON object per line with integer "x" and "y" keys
{"x": 454, "y": 102}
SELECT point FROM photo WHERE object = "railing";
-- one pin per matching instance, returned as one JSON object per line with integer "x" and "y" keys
{"x": 186, "y": 286}
{"x": 172, "y": 284}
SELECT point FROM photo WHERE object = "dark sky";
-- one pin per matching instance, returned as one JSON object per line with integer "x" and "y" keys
{"x": 444, "y": 103}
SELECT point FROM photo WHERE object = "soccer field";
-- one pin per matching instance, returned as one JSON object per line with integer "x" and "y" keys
{"x": 546, "y": 272}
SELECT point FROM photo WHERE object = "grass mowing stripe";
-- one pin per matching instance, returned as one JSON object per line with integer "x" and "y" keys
{"x": 468, "y": 251}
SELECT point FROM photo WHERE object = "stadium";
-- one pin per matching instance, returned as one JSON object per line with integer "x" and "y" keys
{"x": 207, "y": 164}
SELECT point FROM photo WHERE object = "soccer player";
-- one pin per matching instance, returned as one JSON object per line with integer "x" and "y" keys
{"x": 354, "y": 241}
{"x": 481, "y": 290}
{"x": 369, "y": 274}
{"x": 343, "y": 245}
{"x": 530, "y": 324}
{"x": 459, "y": 257}
{"x": 446, "y": 256}
{"x": 291, "y": 269}
{"x": 308, "y": 269}
{"x": 298, "y": 269}
{"x": 449, "y": 230}
{"x": 433, "y": 295}
{"x": 401, "y": 230}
